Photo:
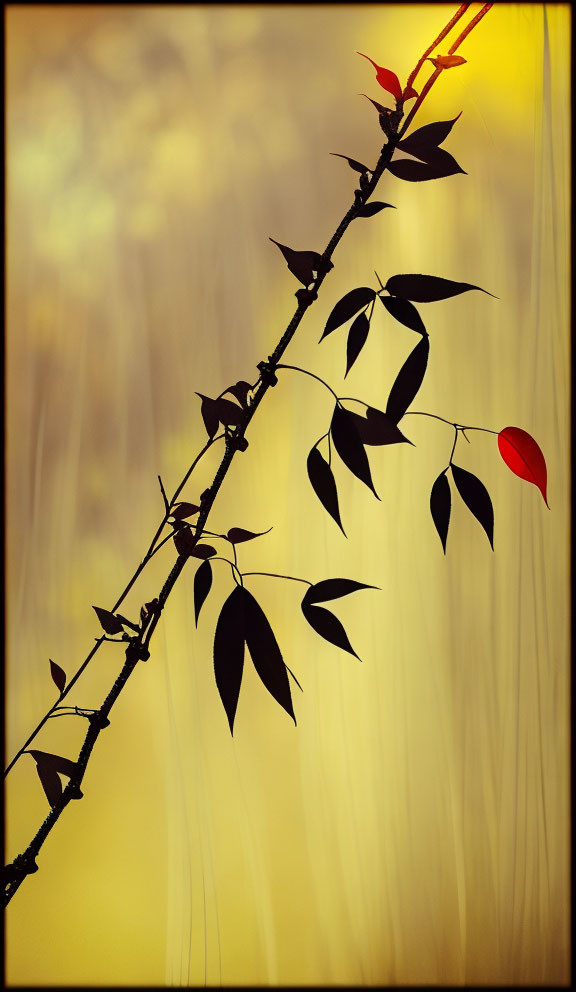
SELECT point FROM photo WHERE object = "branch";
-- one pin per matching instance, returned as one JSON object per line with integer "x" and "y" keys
{"x": 138, "y": 646}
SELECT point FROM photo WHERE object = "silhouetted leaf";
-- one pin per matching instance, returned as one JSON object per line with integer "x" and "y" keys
{"x": 439, "y": 166}
{"x": 356, "y": 340}
{"x": 440, "y": 505}
{"x": 327, "y": 589}
{"x": 58, "y": 676}
{"x": 266, "y": 654}
{"x": 229, "y": 413}
{"x": 304, "y": 264}
{"x": 408, "y": 380}
{"x": 328, "y": 626}
{"x": 229, "y": 651}
{"x": 110, "y": 624}
{"x": 387, "y": 79}
{"x": 349, "y": 305}
{"x": 427, "y": 289}
{"x": 237, "y": 534}
{"x": 182, "y": 510}
{"x": 476, "y": 498}
{"x": 376, "y": 428}
{"x": 524, "y": 457}
{"x": 240, "y": 390}
{"x": 184, "y": 541}
{"x": 203, "y": 551}
{"x": 369, "y": 209}
{"x": 349, "y": 446}
{"x": 202, "y": 586}
{"x": 357, "y": 166}
{"x": 48, "y": 766}
{"x": 426, "y": 138}
{"x": 383, "y": 111}
{"x": 324, "y": 485}
{"x": 447, "y": 61}
{"x": 209, "y": 414}
{"x": 404, "y": 312}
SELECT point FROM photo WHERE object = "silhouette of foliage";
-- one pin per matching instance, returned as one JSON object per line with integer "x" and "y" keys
{"x": 202, "y": 586}
{"x": 408, "y": 381}
{"x": 476, "y": 498}
{"x": 324, "y": 485}
{"x": 349, "y": 446}
{"x": 347, "y": 307}
{"x": 58, "y": 675}
{"x": 440, "y": 506}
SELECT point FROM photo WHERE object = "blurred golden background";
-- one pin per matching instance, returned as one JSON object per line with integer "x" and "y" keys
{"x": 414, "y": 827}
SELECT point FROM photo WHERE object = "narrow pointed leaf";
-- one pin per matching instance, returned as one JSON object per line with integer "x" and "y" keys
{"x": 240, "y": 390}
{"x": 109, "y": 623}
{"x": 427, "y": 137}
{"x": 202, "y": 586}
{"x": 387, "y": 79}
{"x": 209, "y": 414}
{"x": 229, "y": 413}
{"x": 357, "y": 166}
{"x": 377, "y": 428}
{"x": 50, "y": 782}
{"x": 369, "y": 209}
{"x": 409, "y": 93}
{"x": 524, "y": 457}
{"x": 476, "y": 498}
{"x": 408, "y": 380}
{"x": 323, "y": 483}
{"x": 321, "y": 592}
{"x": 349, "y": 446}
{"x": 328, "y": 626}
{"x": 447, "y": 61}
{"x": 404, "y": 312}
{"x": 58, "y": 676}
{"x": 440, "y": 506}
{"x": 266, "y": 654}
{"x": 304, "y": 264}
{"x": 347, "y": 307}
{"x": 237, "y": 534}
{"x": 182, "y": 510}
{"x": 427, "y": 289}
{"x": 229, "y": 651}
{"x": 442, "y": 165}
{"x": 382, "y": 111}
{"x": 184, "y": 541}
{"x": 356, "y": 340}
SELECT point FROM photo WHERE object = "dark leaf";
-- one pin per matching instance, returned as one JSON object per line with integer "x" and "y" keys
{"x": 48, "y": 766}
{"x": 428, "y": 289}
{"x": 442, "y": 164}
{"x": 323, "y": 484}
{"x": 182, "y": 510}
{"x": 209, "y": 414}
{"x": 357, "y": 166}
{"x": 240, "y": 390}
{"x": 356, "y": 340}
{"x": 229, "y": 413}
{"x": 202, "y": 586}
{"x": 349, "y": 446}
{"x": 110, "y": 623}
{"x": 408, "y": 381}
{"x": 404, "y": 312}
{"x": 440, "y": 505}
{"x": 369, "y": 209}
{"x": 237, "y": 534}
{"x": 320, "y": 592}
{"x": 387, "y": 79}
{"x": 376, "y": 428}
{"x": 184, "y": 541}
{"x": 349, "y": 305}
{"x": 427, "y": 137}
{"x": 58, "y": 676}
{"x": 229, "y": 651}
{"x": 265, "y": 653}
{"x": 203, "y": 551}
{"x": 328, "y": 626}
{"x": 304, "y": 264}
{"x": 477, "y": 499}
{"x": 381, "y": 110}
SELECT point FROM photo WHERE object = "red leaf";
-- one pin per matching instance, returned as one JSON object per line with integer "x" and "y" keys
{"x": 388, "y": 80}
{"x": 58, "y": 675}
{"x": 524, "y": 457}
{"x": 409, "y": 93}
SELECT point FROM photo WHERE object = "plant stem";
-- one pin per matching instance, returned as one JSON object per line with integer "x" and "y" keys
{"x": 273, "y": 575}
{"x": 137, "y": 649}
{"x": 295, "y": 368}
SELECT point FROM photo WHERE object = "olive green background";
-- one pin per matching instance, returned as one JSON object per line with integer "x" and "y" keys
{"x": 414, "y": 827}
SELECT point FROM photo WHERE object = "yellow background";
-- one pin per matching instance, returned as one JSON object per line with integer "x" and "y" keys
{"x": 414, "y": 827}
